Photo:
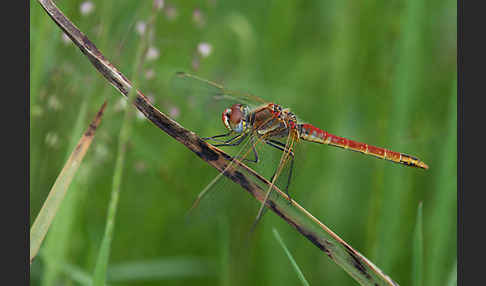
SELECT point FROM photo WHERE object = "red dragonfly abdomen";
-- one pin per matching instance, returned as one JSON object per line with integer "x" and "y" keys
{"x": 311, "y": 133}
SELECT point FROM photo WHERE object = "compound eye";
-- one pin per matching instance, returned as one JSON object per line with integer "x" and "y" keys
{"x": 226, "y": 118}
{"x": 233, "y": 118}
{"x": 236, "y": 114}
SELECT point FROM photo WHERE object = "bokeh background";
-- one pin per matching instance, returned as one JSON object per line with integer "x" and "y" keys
{"x": 381, "y": 72}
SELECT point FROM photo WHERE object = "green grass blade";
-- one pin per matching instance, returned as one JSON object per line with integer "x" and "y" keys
{"x": 99, "y": 276}
{"x": 74, "y": 273}
{"x": 225, "y": 261}
{"x": 452, "y": 281}
{"x": 418, "y": 249}
{"x": 291, "y": 258}
{"x": 100, "y": 271}
{"x": 406, "y": 88}
{"x": 56, "y": 194}
{"x": 58, "y": 239}
{"x": 442, "y": 221}
{"x": 160, "y": 269}
{"x": 144, "y": 270}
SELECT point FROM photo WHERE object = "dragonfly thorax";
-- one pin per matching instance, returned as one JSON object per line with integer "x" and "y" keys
{"x": 235, "y": 118}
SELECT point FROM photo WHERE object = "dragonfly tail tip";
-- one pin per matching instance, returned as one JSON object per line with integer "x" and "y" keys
{"x": 423, "y": 165}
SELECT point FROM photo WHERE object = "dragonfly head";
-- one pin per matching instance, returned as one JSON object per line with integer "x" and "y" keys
{"x": 235, "y": 118}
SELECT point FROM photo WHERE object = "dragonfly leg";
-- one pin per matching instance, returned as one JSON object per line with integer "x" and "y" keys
{"x": 255, "y": 153}
{"x": 255, "y": 156}
{"x": 280, "y": 146}
{"x": 217, "y": 136}
{"x": 240, "y": 138}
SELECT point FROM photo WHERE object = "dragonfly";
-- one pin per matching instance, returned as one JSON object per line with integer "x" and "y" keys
{"x": 260, "y": 121}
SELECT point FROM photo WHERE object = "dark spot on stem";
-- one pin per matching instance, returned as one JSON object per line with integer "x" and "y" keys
{"x": 310, "y": 236}
{"x": 242, "y": 180}
{"x": 227, "y": 157}
{"x": 91, "y": 130}
{"x": 317, "y": 243}
{"x": 206, "y": 153}
{"x": 356, "y": 262}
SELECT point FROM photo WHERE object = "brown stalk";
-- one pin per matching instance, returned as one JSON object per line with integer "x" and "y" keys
{"x": 49, "y": 209}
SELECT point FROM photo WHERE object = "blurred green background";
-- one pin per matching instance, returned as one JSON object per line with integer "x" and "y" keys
{"x": 381, "y": 72}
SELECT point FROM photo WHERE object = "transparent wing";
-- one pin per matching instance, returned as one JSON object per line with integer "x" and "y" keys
{"x": 217, "y": 199}
{"x": 283, "y": 172}
{"x": 187, "y": 84}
